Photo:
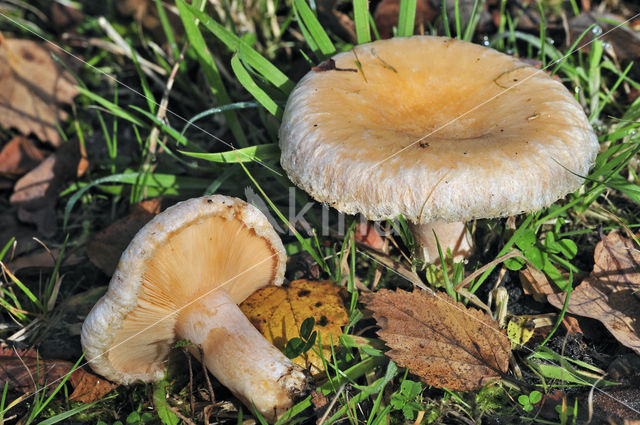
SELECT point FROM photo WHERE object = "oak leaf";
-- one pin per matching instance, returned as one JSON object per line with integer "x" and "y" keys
{"x": 440, "y": 340}
{"x": 611, "y": 294}
{"x": 278, "y": 313}
{"x": 32, "y": 88}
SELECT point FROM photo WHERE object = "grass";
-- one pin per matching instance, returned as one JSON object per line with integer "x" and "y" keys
{"x": 219, "y": 135}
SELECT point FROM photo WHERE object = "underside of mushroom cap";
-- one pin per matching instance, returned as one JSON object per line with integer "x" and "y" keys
{"x": 434, "y": 129}
{"x": 182, "y": 254}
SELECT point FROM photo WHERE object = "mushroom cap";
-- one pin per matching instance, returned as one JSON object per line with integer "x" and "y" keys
{"x": 182, "y": 254}
{"x": 434, "y": 129}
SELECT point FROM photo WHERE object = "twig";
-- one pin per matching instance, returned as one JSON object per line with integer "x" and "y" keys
{"x": 396, "y": 267}
{"x": 162, "y": 112}
{"x": 180, "y": 415}
{"x": 191, "y": 404}
{"x": 464, "y": 282}
{"x": 324, "y": 417}
{"x": 212, "y": 396}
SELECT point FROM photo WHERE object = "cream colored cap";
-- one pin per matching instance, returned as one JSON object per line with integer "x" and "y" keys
{"x": 182, "y": 254}
{"x": 434, "y": 129}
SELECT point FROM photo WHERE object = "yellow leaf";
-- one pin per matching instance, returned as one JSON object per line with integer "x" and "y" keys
{"x": 519, "y": 330}
{"x": 278, "y": 312}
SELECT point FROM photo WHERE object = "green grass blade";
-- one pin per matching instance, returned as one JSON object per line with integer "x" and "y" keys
{"x": 374, "y": 28}
{"x": 265, "y": 68}
{"x": 473, "y": 20}
{"x": 224, "y": 176}
{"x": 168, "y": 29}
{"x": 22, "y": 287}
{"x": 50, "y": 294}
{"x": 169, "y": 183}
{"x": 361, "y": 20}
{"x": 148, "y": 94}
{"x": 211, "y": 111}
{"x": 458, "y": 18}
{"x": 309, "y": 20}
{"x": 69, "y": 413}
{"x": 6, "y": 248}
{"x": 60, "y": 385}
{"x": 248, "y": 154}
{"x": 256, "y": 91}
{"x": 305, "y": 243}
{"x": 209, "y": 68}
{"x": 445, "y": 18}
{"x": 112, "y": 107}
{"x": 406, "y": 18}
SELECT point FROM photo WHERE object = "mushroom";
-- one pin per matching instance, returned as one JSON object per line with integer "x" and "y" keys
{"x": 181, "y": 277}
{"x": 439, "y": 130}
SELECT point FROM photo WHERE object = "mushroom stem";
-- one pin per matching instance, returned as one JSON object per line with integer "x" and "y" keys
{"x": 453, "y": 236}
{"x": 240, "y": 357}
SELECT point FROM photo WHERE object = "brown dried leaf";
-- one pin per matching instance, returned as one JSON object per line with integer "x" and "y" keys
{"x": 143, "y": 11}
{"x": 36, "y": 193}
{"x": 43, "y": 260}
{"x": 624, "y": 42}
{"x": 335, "y": 21}
{"x": 106, "y": 247}
{"x": 146, "y": 13}
{"x": 366, "y": 233}
{"x": 534, "y": 282}
{"x": 386, "y": 16}
{"x": 65, "y": 17}
{"x": 22, "y": 369}
{"x": 611, "y": 293}
{"x": 32, "y": 88}
{"x": 18, "y": 156}
{"x": 440, "y": 340}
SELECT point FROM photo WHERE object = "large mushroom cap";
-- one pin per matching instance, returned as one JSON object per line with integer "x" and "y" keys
{"x": 181, "y": 255}
{"x": 434, "y": 129}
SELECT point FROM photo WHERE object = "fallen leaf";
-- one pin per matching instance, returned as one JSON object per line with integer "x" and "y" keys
{"x": 367, "y": 234}
{"x": 143, "y": 11}
{"x": 440, "y": 340}
{"x": 520, "y": 330}
{"x": 336, "y": 22}
{"x": 611, "y": 293}
{"x": 624, "y": 42}
{"x": 32, "y": 89}
{"x": 107, "y": 246}
{"x": 36, "y": 193}
{"x": 65, "y": 17}
{"x": 386, "y": 16}
{"x": 534, "y": 282}
{"x": 26, "y": 371}
{"x": 18, "y": 156}
{"x": 42, "y": 259}
{"x": 146, "y": 13}
{"x": 572, "y": 325}
{"x": 278, "y": 312}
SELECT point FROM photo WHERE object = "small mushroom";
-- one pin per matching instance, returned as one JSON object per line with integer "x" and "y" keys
{"x": 182, "y": 276}
{"x": 439, "y": 130}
